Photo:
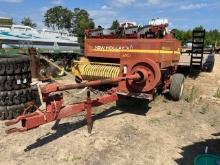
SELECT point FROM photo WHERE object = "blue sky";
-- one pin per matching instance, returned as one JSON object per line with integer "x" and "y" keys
{"x": 182, "y": 14}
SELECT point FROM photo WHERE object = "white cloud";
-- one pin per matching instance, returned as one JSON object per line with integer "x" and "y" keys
{"x": 154, "y": 2}
{"x": 57, "y": 2}
{"x": 193, "y": 6}
{"x": 123, "y": 2}
{"x": 106, "y": 7}
{"x": 104, "y": 16}
{"x": 102, "y": 13}
{"x": 157, "y": 3}
{"x": 12, "y": 1}
{"x": 136, "y": 3}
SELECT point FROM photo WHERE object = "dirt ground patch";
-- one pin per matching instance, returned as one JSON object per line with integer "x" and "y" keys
{"x": 166, "y": 133}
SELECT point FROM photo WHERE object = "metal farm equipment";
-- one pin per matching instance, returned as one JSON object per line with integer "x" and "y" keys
{"x": 133, "y": 67}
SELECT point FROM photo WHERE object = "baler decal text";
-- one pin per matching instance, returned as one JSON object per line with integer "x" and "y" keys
{"x": 101, "y": 48}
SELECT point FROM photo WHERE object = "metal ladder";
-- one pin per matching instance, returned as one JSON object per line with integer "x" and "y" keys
{"x": 196, "y": 62}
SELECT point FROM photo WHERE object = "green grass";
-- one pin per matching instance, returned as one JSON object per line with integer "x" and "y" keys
{"x": 57, "y": 77}
{"x": 131, "y": 128}
{"x": 154, "y": 121}
{"x": 204, "y": 109}
{"x": 71, "y": 158}
{"x": 217, "y": 94}
{"x": 193, "y": 95}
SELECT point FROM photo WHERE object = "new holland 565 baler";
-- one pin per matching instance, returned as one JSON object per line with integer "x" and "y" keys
{"x": 135, "y": 63}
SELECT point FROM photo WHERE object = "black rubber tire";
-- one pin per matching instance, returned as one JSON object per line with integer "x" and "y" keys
{"x": 11, "y": 112}
{"x": 14, "y": 82}
{"x": 16, "y": 97}
{"x": 177, "y": 86}
{"x": 3, "y": 63}
{"x": 211, "y": 67}
{"x": 3, "y": 113}
{"x": 17, "y": 64}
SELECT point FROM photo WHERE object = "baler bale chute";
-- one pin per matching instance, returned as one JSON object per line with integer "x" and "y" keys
{"x": 132, "y": 67}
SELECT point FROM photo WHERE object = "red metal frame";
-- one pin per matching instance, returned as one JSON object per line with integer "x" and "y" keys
{"x": 54, "y": 104}
{"x": 55, "y": 111}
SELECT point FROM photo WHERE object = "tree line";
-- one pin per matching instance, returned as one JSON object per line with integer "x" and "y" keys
{"x": 60, "y": 18}
{"x": 212, "y": 37}
{"x": 77, "y": 20}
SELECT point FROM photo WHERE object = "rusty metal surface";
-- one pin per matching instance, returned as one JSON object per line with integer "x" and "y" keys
{"x": 159, "y": 50}
{"x": 145, "y": 55}
{"x": 35, "y": 62}
{"x": 54, "y": 104}
{"x": 53, "y": 87}
{"x": 55, "y": 111}
{"x": 150, "y": 75}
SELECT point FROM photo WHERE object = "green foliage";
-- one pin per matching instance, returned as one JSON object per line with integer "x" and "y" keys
{"x": 26, "y": 21}
{"x": 204, "y": 109}
{"x": 58, "y": 17}
{"x": 212, "y": 36}
{"x": 183, "y": 36}
{"x": 76, "y": 21}
{"x": 6, "y": 22}
{"x": 193, "y": 95}
{"x": 199, "y": 28}
{"x": 82, "y": 21}
{"x": 154, "y": 121}
{"x": 115, "y": 25}
{"x": 217, "y": 94}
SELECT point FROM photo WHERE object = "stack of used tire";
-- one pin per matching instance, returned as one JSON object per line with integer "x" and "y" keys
{"x": 15, "y": 85}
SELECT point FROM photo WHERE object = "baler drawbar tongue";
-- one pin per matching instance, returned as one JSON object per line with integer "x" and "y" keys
{"x": 54, "y": 104}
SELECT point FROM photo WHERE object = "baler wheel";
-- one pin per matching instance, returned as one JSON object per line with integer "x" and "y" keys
{"x": 211, "y": 66}
{"x": 177, "y": 86}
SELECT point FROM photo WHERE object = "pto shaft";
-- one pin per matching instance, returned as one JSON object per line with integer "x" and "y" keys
{"x": 57, "y": 87}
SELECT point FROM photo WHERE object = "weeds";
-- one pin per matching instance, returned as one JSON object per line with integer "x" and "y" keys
{"x": 194, "y": 94}
{"x": 177, "y": 116}
{"x": 71, "y": 158}
{"x": 154, "y": 121}
{"x": 57, "y": 78}
{"x": 182, "y": 111}
{"x": 217, "y": 94}
{"x": 131, "y": 128}
{"x": 169, "y": 113}
{"x": 204, "y": 109}
{"x": 128, "y": 131}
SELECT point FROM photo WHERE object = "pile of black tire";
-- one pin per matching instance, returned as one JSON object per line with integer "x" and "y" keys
{"x": 15, "y": 85}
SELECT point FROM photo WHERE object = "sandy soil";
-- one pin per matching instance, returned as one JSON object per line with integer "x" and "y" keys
{"x": 165, "y": 133}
